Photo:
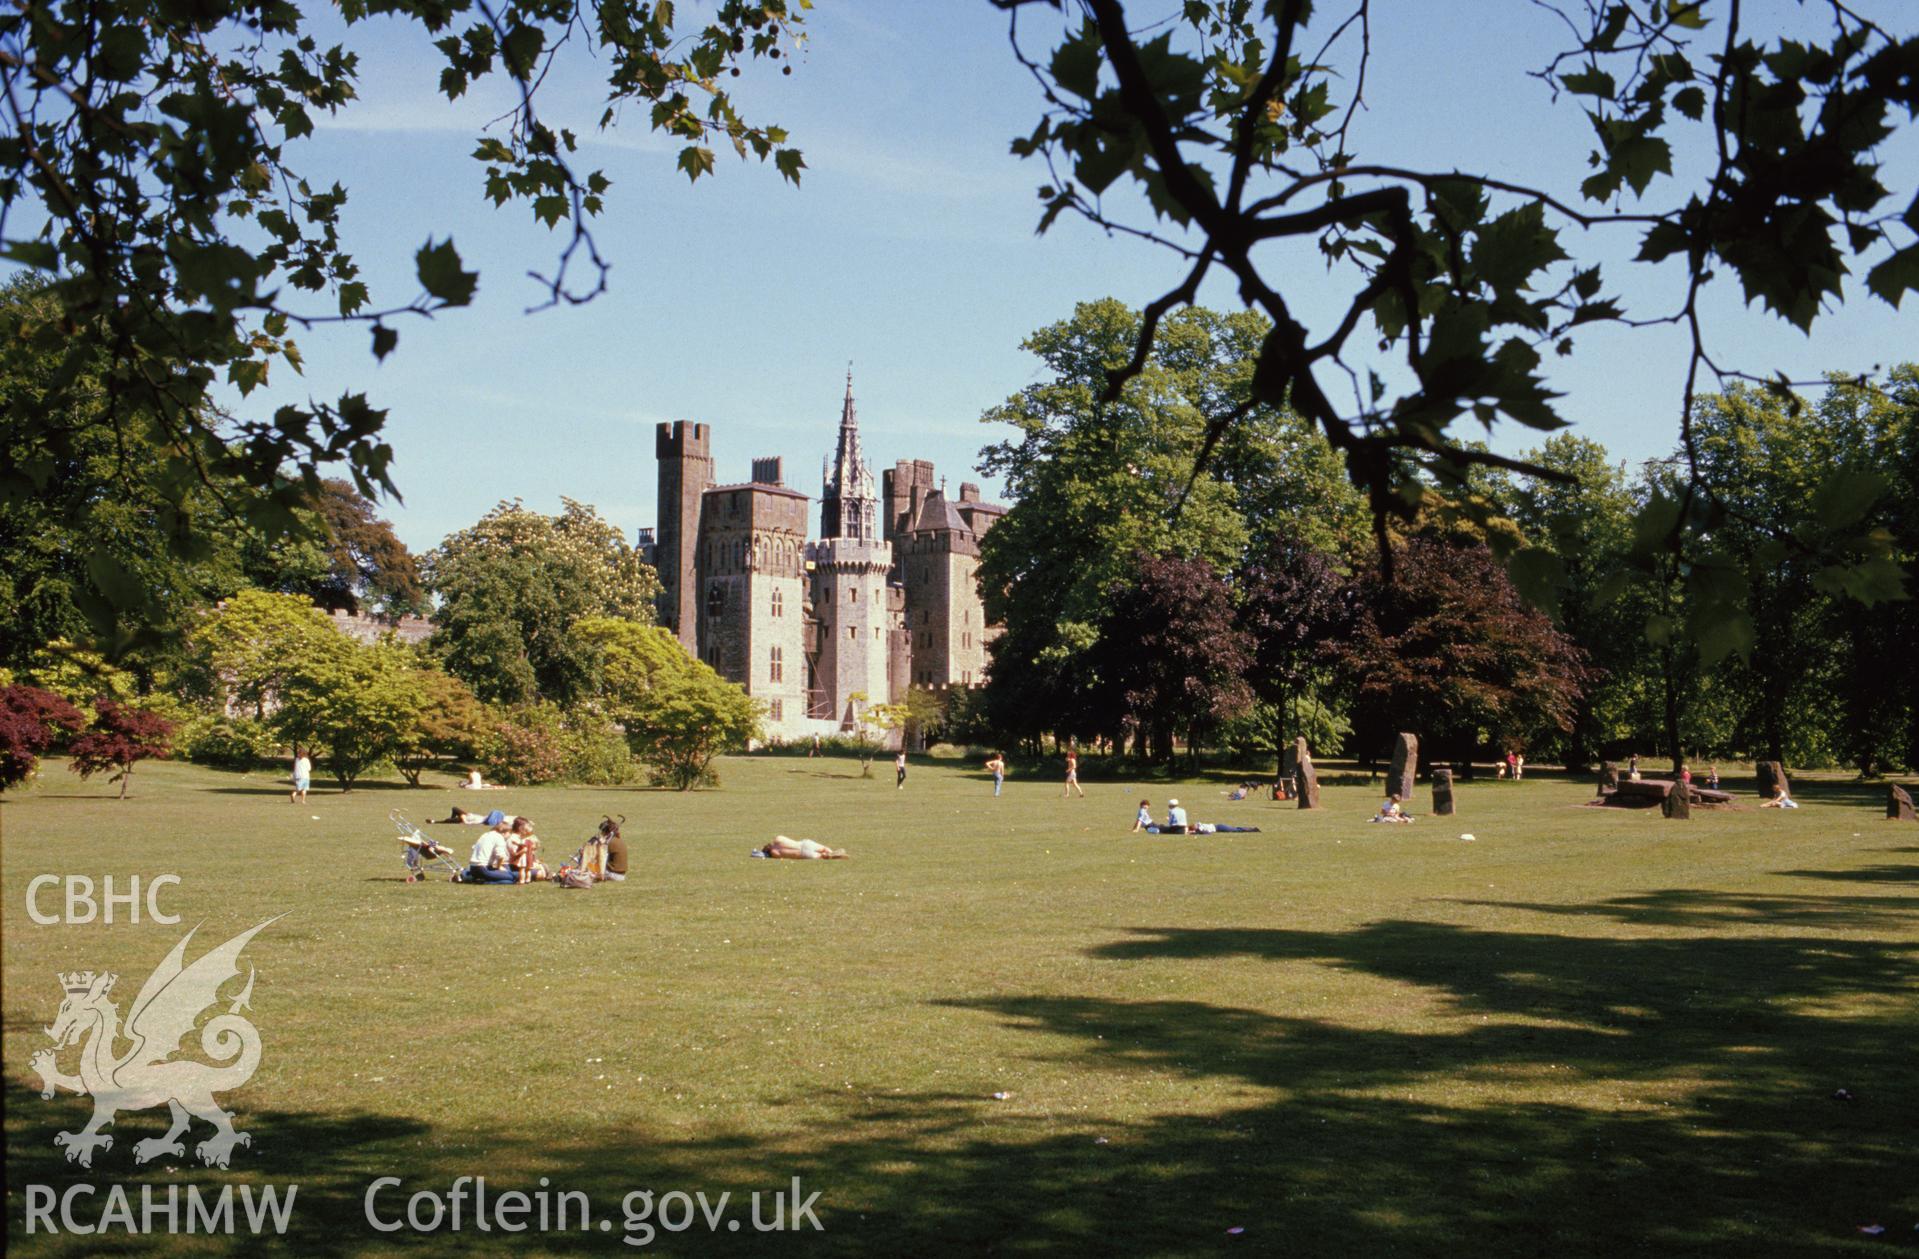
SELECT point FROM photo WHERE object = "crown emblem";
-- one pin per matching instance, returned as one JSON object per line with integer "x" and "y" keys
{"x": 82, "y": 980}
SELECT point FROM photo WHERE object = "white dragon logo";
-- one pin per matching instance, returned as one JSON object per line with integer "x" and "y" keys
{"x": 169, "y": 1004}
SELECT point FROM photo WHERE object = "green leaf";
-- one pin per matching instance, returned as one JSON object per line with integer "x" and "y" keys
{"x": 1690, "y": 101}
{"x": 1892, "y": 278}
{"x": 33, "y": 253}
{"x": 384, "y": 339}
{"x": 1687, "y": 13}
{"x": 696, "y": 160}
{"x": 441, "y": 275}
{"x": 1590, "y": 82}
{"x": 1076, "y": 63}
{"x": 1846, "y": 495}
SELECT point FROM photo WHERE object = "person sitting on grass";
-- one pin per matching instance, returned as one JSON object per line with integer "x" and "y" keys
{"x": 1175, "y": 819}
{"x": 523, "y": 852}
{"x": 614, "y": 870}
{"x": 1389, "y": 812}
{"x": 783, "y": 848}
{"x": 488, "y": 863}
{"x": 474, "y": 782}
{"x": 1780, "y": 800}
{"x": 1143, "y": 820}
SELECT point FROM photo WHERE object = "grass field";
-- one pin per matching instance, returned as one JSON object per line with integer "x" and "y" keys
{"x": 1588, "y": 1032}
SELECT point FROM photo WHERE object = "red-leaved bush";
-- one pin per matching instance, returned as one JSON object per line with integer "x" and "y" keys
{"x": 29, "y": 718}
{"x": 122, "y": 735}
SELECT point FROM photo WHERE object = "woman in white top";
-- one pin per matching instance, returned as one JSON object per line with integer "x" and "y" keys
{"x": 488, "y": 864}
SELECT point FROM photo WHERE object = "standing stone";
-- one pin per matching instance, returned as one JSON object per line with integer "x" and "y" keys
{"x": 1305, "y": 778}
{"x": 1442, "y": 791}
{"x": 1678, "y": 803}
{"x": 1772, "y": 776}
{"x": 1399, "y": 782}
{"x": 1608, "y": 778}
{"x": 1898, "y": 804}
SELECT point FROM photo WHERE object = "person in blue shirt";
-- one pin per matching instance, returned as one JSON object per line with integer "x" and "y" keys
{"x": 1175, "y": 818}
{"x": 1144, "y": 818}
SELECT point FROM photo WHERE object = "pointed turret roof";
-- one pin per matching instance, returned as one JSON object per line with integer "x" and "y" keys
{"x": 849, "y": 501}
{"x": 848, "y": 462}
{"x": 937, "y": 513}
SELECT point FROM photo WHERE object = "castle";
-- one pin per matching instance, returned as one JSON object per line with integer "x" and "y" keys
{"x": 887, "y": 598}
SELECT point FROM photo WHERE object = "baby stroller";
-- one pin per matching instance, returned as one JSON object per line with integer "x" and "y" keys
{"x": 422, "y": 854}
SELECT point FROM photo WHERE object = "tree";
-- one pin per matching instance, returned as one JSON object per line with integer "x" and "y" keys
{"x": 121, "y": 736}
{"x": 1237, "y": 123}
{"x": 1173, "y": 658}
{"x": 872, "y": 723}
{"x": 1583, "y": 527}
{"x": 366, "y": 562}
{"x": 1292, "y": 603}
{"x": 1822, "y": 472}
{"x": 249, "y": 647}
{"x": 1095, "y": 482}
{"x": 154, "y": 174}
{"x": 361, "y": 705}
{"x": 924, "y": 715}
{"x": 1446, "y": 648}
{"x": 451, "y": 724}
{"x": 29, "y": 721}
{"x": 514, "y": 585}
{"x": 677, "y": 713}
{"x": 79, "y": 676}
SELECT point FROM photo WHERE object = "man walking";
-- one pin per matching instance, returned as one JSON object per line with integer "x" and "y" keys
{"x": 899, "y": 770}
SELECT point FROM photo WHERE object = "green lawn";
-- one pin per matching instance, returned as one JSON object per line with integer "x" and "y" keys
{"x": 1586, "y": 1032}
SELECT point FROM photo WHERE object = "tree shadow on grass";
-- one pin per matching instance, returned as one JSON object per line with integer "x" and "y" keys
{"x": 324, "y": 790}
{"x": 327, "y": 1156}
{"x": 1701, "y": 909}
{"x": 1863, "y": 874}
{"x": 1530, "y": 1093}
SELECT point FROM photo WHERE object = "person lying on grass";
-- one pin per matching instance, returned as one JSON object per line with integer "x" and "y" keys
{"x": 1389, "y": 812}
{"x": 469, "y": 817}
{"x": 783, "y": 848}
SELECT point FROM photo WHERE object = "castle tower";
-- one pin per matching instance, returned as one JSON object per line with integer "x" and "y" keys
{"x": 685, "y": 456}
{"x": 752, "y": 578}
{"x": 945, "y": 621}
{"x": 850, "y": 565}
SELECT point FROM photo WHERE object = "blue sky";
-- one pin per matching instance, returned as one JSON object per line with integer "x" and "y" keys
{"x": 908, "y": 250}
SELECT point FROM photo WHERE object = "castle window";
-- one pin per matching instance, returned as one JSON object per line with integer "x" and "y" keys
{"x": 966, "y": 640}
{"x": 778, "y": 711}
{"x": 852, "y": 631}
{"x": 779, "y": 604}
{"x": 778, "y": 665}
{"x": 716, "y": 600}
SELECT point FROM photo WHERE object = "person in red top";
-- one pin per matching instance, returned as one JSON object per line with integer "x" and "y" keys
{"x": 1072, "y": 776}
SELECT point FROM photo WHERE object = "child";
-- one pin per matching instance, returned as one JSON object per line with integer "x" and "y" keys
{"x": 1144, "y": 818}
{"x": 1389, "y": 811}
